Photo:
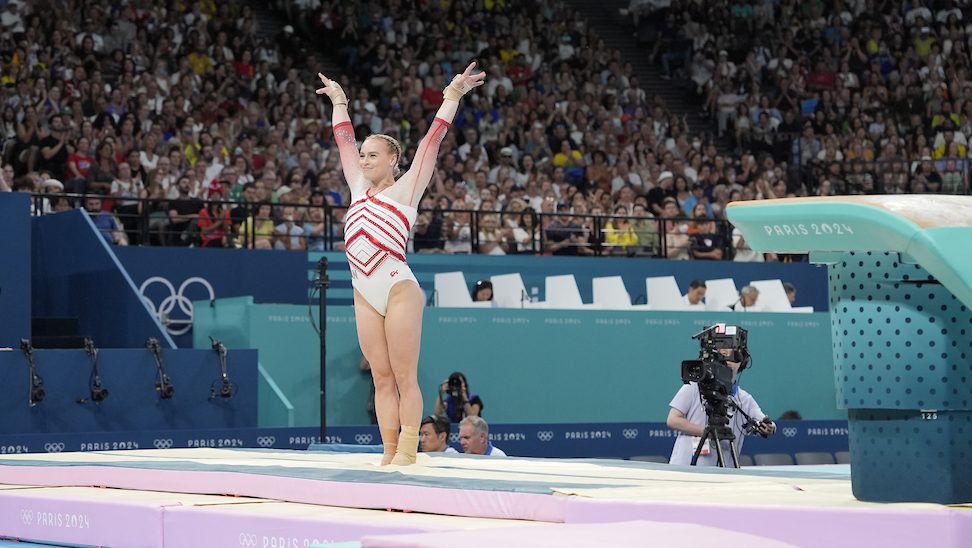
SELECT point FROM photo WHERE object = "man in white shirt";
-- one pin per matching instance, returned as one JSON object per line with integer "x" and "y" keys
{"x": 687, "y": 415}
{"x": 695, "y": 298}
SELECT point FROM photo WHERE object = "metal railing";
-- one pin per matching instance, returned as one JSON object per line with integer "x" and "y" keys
{"x": 155, "y": 222}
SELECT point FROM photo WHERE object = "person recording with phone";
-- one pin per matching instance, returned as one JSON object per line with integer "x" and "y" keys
{"x": 713, "y": 400}
{"x": 454, "y": 400}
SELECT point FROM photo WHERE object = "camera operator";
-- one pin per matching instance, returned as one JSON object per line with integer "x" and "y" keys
{"x": 454, "y": 400}
{"x": 687, "y": 415}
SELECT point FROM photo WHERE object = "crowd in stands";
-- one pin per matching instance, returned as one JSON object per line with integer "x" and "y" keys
{"x": 562, "y": 151}
{"x": 853, "y": 96}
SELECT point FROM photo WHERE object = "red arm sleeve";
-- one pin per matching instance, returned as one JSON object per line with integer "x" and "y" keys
{"x": 344, "y": 139}
{"x": 423, "y": 164}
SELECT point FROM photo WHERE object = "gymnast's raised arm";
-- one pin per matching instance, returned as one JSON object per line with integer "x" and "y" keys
{"x": 423, "y": 164}
{"x": 344, "y": 135}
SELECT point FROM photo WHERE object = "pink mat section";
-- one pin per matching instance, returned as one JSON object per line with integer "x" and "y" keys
{"x": 171, "y": 514}
{"x": 807, "y": 526}
{"x": 633, "y": 534}
{"x": 216, "y": 526}
{"x": 432, "y": 500}
{"x": 28, "y": 514}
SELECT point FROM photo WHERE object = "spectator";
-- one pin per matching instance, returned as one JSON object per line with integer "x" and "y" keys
{"x": 620, "y": 236}
{"x": 646, "y": 229}
{"x": 564, "y": 235}
{"x": 214, "y": 222}
{"x": 289, "y": 234}
{"x": 6, "y": 178}
{"x": 259, "y": 228}
{"x": 434, "y": 435}
{"x": 705, "y": 240}
{"x": 474, "y": 438}
{"x": 105, "y": 222}
{"x": 314, "y": 229}
{"x": 676, "y": 232}
{"x": 53, "y": 148}
{"x": 183, "y": 214}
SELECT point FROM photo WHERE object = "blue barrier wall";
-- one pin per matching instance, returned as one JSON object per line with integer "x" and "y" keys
{"x": 534, "y": 366}
{"x": 619, "y": 440}
{"x": 177, "y": 276}
{"x": 14, "y": 268}
{"x": 132, "y": 404}
{"x": 76, "y": 274}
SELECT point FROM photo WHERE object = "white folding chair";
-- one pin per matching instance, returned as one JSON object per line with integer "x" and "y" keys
{"x": 561, "y": 292}
{"x": 451, "y": 291}
{"x": 509, "y": 292}
{"x": 663, "y": 293}
{"x": 720, "y": 294}
{"x": 610, "y": 293}
{"x": 772, "y": 296}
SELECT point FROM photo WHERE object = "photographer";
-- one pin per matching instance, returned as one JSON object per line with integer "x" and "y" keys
{"x": 689, "y": 414}
{"x": 454, "y": 400}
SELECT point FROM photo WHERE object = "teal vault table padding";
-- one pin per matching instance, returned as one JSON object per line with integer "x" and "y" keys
{"x": 900, "y": 279}
{"x": 933, "y": 231}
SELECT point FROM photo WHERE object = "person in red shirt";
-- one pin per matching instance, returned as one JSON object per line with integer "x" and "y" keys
{"x": 79, "y": 161}
{"x": 214, "y": 219}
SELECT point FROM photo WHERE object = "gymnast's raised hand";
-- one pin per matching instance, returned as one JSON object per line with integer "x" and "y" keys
{"x": 463, "y": 83}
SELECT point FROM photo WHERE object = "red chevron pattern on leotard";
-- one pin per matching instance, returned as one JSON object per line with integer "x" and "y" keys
{"x": 375, "y": 228}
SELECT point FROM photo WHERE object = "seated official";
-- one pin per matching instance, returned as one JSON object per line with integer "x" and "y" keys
{"x": 434, "y": 435}
{"x": 474, "y": 438}
{"x": 687, "y": 415}
{"x": 695, "y": 298}
{"x": 748, "y": 296}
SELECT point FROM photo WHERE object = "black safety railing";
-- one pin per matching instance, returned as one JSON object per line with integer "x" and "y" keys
{"x": 260, "y": 225}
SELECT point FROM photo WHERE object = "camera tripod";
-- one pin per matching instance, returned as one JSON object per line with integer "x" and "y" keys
{"x": 718, "y": 430}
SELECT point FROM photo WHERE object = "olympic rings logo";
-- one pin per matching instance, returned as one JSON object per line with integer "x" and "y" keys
{"x": 163, "y": 443}
{"x": 266, "y": 441}
{"x": 362, "y": 439}
{"x": 27, "y": 516}
{"x": 248, "y": 539}
{"x": 175, "y": 298}
{"x": 54, "y": 447}
{"x": 790, "y": 431}
{"x": 545, "y": 435}
{"x": 629, "y": 433}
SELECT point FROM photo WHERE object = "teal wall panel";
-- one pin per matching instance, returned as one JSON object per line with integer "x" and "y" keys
{"x": 540, "y": 366}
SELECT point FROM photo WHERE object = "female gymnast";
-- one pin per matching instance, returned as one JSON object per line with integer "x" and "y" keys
{"x": 388, "y": 314}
